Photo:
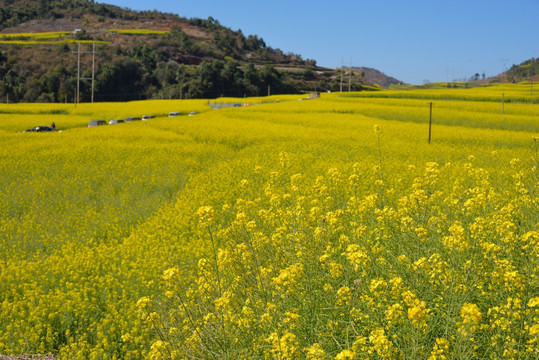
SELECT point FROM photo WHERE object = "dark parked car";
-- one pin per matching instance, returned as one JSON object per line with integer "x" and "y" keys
{"x": 39, "y": 129}
{"x": 115, "y": 121}
{"x": 131, "y": 118}
{"x": 146, "y": 117}
{"x": 174, "y": 113}
{"x": 93, "y": 123}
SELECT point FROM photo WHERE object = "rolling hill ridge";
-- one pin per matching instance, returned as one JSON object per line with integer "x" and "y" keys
{"x": 142, "y": 55}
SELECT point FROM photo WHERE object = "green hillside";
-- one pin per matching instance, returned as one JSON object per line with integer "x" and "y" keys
{"x": 140, "y": 55}
{"x": 525, "y": 71}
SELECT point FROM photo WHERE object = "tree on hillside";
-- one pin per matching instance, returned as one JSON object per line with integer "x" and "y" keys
{"x": 166, "y": 73}
{"x": 121, "y": 80}
{"x": 233, "y": 75}
{"x": 254, "y": 43}
{"x": 270, "y": 77}
{"x": 179, "y": 38}
{"x": 145, "y": 55}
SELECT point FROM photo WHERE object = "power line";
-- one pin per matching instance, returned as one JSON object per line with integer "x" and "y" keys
{"x": 78, "y": 52}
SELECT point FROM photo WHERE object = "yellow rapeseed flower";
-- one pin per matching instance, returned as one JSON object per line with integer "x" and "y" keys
{"x": 343, "y": 296}
{"x": 440, "y": 350}
{"x": 206, "y": 215}
{"x": 418, "y": 313}
{"x": 533, "y": 302}
{"x": 346, "y": 355}
{"x": 315, "y": 352}
{"x": 470, "y": 314}
{"x": 356, "y": 256}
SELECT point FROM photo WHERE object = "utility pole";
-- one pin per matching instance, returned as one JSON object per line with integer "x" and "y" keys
{"x": 430, "y": 121}
{"x": 350, "y": 76}
{"x": 530, "y": 77}
{"x": 93, "y": 70}
{"x": 78, "y": 74}
{"x": 77, "y": 100}
{"x": 342, "y": 65}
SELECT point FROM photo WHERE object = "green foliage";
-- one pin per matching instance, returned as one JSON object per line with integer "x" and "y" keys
{"x": 121, "y": 80}
{"x": 524, "y": 71}
{"x": 177, "y": 37}
{"x": 249, "y": 67}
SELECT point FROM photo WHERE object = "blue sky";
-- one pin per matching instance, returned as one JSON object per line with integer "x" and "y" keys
{"x": 411, "y": 40}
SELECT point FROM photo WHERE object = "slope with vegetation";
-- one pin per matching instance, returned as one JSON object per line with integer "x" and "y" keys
{"x": 140, "y": 55}
{"x": 526, "y": 71}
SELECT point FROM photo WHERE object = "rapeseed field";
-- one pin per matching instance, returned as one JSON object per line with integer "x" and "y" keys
{"x": 316, "y": 229}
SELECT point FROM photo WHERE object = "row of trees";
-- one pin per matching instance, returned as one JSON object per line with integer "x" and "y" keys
{"x": 139, "y": 76}
{"x": 126, "y": 78}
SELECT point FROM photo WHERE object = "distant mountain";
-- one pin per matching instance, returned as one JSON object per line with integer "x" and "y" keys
{"x": 144, "y": 54}
{"x": 376, "y": 77}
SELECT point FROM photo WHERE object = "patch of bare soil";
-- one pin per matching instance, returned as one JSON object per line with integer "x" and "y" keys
{"x": 34, "y": 26}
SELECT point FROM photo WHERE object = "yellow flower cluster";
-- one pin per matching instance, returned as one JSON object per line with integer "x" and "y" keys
{"x": 285, "y": 230}
{"x": 311, "y": 293}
